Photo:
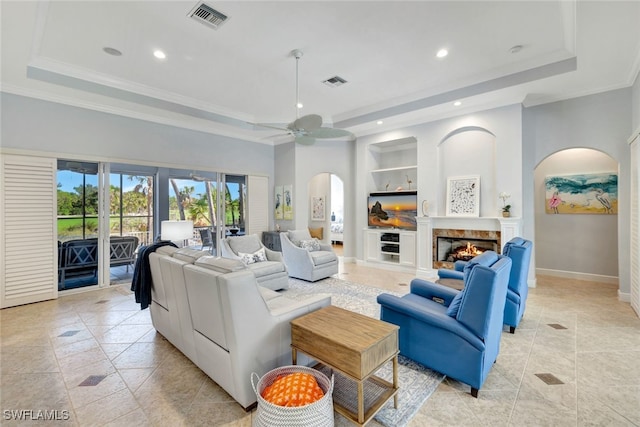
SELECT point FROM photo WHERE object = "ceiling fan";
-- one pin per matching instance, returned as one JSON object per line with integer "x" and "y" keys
{"x": 308, "y": 128}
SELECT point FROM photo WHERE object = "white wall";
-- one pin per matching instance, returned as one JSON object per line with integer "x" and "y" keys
{"x": 71, "y": 132}
{"x": 504, "y": 123}
{"x": 635, "y": 105}
{"x": 592, "y": 248}
{"x": 333, "y": 157}
{"x": 601, "y": 122}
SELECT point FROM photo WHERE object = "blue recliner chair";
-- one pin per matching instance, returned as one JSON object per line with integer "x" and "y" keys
{"x": 454, "y": 333}
{"x": 519, "y": 250}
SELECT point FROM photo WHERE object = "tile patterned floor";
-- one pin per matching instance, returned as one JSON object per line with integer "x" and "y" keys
{"x": 93, "y": 358}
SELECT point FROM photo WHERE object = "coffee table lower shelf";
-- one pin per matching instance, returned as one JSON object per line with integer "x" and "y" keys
{"x": 376, "y": 392}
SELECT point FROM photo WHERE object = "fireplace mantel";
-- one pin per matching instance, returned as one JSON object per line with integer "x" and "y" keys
{"x": 508, "y": 227}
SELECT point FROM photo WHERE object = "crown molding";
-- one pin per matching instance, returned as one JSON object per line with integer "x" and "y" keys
{"x": 213, "y": 128}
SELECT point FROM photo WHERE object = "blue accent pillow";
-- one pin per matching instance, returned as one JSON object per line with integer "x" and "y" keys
{"x": 455, "y": 305}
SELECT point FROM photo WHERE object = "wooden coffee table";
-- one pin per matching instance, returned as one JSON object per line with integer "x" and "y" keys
{"x": 354, "y": 345}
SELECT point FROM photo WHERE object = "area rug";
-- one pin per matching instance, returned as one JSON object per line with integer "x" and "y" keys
{"x": 416, "y": 381}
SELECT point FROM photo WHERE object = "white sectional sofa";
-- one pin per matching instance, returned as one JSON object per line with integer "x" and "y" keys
{"x": 214, "y": 311}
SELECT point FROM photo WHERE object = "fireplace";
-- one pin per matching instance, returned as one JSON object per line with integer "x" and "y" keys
{"x": 461, "y": 245}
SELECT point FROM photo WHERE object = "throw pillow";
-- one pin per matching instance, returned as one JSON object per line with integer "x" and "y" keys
{"x": 316, "y": 232}
{"x": 258, "y": 256}
{"x": 246, "y": 258}
{"x": 297, "y": 389}
{"x": 455, "y": 305}
{"x": 310, "y": 245}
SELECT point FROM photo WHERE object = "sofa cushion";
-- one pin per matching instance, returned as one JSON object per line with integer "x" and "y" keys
{"x": 221, "y": 265}
{"x": 322, "y": 257}
{"x": 166, "y": 250}
{"x": 261, "y": 269}
{"x": 189, "y": 255}
{"x": 246, "y": 244}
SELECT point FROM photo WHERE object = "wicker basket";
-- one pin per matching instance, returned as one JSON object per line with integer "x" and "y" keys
{"x": 316, "y": 414}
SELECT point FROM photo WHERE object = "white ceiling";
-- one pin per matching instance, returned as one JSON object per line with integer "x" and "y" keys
{"x": 218, "y": 80}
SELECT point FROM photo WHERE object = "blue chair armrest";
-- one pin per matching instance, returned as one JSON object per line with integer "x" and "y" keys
{"x": 447, "y": 273}
{"x": 435, "y": 318}
{"x": 430, "y": 290}
{"x": 459, "y": 265}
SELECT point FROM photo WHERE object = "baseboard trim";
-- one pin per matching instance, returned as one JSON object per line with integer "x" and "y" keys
{"x": 624, "y": 296}
{"x": 578, "y": 276}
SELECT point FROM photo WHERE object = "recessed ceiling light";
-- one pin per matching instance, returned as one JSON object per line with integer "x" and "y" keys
{"x": 515, "y": 49}
{"x": 379, "y": 122}
{"x": 159, "y": 54}
{"x": 112, "y": 51}
{"x": 442, "y": 53}
{"x": 457, "y": 103}
{"x": 299, "y": 105}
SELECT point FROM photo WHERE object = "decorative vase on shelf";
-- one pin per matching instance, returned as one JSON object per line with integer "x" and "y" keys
{"x": 506, "y": 214}
{"x": 425, "y": 208}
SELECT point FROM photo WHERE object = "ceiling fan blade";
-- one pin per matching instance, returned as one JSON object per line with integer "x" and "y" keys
{"x": 330, "y": 133}
{"x": 305, "y": 140}
{"x": 308, "y": 122}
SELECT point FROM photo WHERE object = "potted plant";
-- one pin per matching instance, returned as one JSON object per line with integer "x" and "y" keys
{"x": 506, "y": 209}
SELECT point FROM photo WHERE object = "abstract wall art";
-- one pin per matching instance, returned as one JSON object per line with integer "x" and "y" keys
{"x": 463, "y": 196}
{"x": 585, "y": 193}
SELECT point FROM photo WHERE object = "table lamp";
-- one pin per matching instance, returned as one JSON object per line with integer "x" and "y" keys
{"x": 176, "y": 231}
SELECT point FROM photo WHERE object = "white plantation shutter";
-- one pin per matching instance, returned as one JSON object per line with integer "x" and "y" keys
{"x": 28, "y": 247}
{"x": 635, "y": 225}
{"x": 258, "y": 205}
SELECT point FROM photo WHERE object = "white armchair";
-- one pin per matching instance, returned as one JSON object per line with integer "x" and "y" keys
{"x": 270, "y": 273}
{"x": 310, "y": 265}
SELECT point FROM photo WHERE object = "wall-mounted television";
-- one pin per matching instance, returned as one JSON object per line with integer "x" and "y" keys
{"x": 393, "y": 209}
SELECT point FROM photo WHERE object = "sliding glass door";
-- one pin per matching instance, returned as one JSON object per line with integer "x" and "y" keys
{"x": 77, "y": 222}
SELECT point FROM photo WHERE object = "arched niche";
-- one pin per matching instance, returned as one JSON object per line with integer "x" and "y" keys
{"x": 469, "y": 151}
{"x": 574, "y": 245}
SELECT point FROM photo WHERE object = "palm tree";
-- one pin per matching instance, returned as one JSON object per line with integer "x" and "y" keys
{"x": 178, "y": 198}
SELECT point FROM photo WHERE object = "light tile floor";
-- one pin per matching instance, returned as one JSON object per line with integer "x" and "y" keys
{"x": 49, "y": 349}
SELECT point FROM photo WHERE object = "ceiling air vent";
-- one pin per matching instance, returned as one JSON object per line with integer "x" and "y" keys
{"x": 208, "y": 16}
{"x": 335, "y": 81}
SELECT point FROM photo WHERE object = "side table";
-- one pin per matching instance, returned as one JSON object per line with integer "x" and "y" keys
{"x": 354, "y": 345}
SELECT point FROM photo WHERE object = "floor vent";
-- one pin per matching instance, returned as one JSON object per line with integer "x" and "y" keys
{"x": 208, "y": 16}
{"x": 549, "y": 379}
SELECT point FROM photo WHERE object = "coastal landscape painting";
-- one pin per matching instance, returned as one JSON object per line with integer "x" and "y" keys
{"x": 389, "y": 210}
{"x": 585, "y": 193}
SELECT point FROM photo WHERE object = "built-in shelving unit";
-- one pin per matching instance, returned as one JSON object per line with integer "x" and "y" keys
{"x": 397, "y": 247}
{"x": 393, "y": 163}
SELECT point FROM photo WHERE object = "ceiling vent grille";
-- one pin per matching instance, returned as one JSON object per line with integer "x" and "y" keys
{"x": 335, "y": 81}
{"x": 208, "y": 16}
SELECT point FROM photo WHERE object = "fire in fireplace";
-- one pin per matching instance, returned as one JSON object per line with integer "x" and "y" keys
{"x": 464, "y": 253}
{"x": 450, "y": 246}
